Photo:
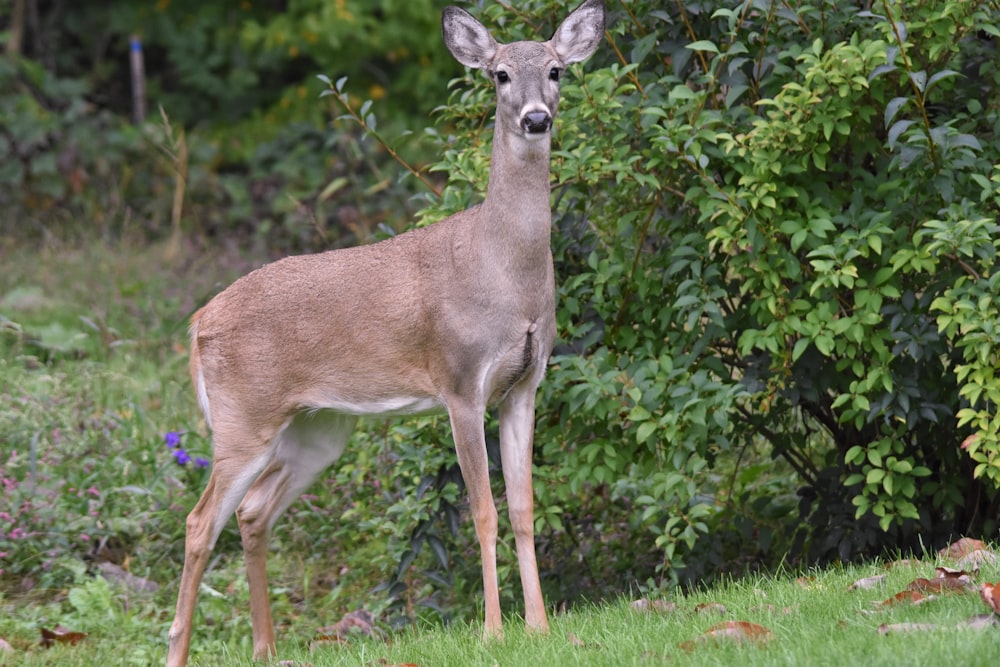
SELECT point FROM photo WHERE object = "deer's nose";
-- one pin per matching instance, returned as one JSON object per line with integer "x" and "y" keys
{"x": 536, "y": 122}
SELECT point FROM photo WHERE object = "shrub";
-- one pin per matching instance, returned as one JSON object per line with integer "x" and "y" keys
{"x": 776, "y": 240}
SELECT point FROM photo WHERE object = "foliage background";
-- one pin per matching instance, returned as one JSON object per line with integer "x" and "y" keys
{"x": 776, "y": 234}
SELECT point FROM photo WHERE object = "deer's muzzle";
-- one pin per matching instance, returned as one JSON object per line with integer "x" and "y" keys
{"x": 536, "y": 122}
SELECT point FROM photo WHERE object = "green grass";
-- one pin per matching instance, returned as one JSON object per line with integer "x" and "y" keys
{"x": 93, "y": 374}
{"x": 816, "y": 622}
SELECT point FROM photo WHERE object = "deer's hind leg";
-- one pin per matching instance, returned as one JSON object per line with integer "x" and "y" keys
{"x": 305, "y": 448}
{"x": 227, "y": 485}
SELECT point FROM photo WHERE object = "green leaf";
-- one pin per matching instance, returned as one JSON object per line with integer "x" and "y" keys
{"x": 856, "y": 478}
{"x": 875, "y": 457}
{"x": 896, "y": 130}
{"x": 703, "y": 45}
{"x": 801, "y": 345}
{"x": 880, "y": 70}
{"x": 645, "y": 430}
{"x": 855, "y": 455}
{"x": 638, "y": 413}
{"x": 943, "y": 74}
{"x": 919, "y": 80}
{"x": 893, "y": 107}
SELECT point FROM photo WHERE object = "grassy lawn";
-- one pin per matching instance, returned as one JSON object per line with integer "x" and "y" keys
{"x": 811, "y": 621}
{"x": 92, "y": 377}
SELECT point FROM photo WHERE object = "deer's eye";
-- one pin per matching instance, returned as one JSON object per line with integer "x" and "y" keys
{"x": 502, "y": 77}
{"x": 554, "y": 73}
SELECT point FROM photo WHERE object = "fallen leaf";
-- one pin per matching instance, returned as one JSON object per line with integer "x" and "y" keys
{"x": 911, "y": 596}
{"x": 867, "y": 582}
{"x": 940, "y": 585}
{"x": 942, "y": 572}
{"x": 644, "y": 605}
{"x": 961, "y": 548}
{"x": 887, "y": 628}
{"x": 959, "y": 578}
{"x": 734, "y": 631}
{"x": 805, "y": 582}
{"x": 576, "y": 641}
{"x": 981, "y": 622}
{"x": 740, "y": 630}
{"x": 708, "y": 607}
{"x": 61, "y": 635}
{"x": 990, "y": 593}
{"x": 973, "y": 560}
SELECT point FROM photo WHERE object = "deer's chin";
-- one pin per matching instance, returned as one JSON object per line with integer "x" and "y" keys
{"x": 537, "y": 136}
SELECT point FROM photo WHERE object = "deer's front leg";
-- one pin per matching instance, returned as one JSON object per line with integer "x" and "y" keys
{"x": 517, "y": 425}
{"x": 470, "y": 445}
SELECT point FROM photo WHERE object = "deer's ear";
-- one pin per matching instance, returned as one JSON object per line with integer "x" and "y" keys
{"x": 581, "y": 32}
{"x": 467, "y": 39}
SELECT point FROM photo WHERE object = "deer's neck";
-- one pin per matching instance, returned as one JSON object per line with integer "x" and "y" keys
{"x": 517, "y": 201}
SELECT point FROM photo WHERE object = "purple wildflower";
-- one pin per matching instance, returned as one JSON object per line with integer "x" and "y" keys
{"x": 201, "y": 462}
{"x": 173, "y": 439}
{"x": 181, "y": 457}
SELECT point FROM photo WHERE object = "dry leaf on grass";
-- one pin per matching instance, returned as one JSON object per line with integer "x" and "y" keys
{"x": 961, "y": 548}
{"x": 771, "y": 609}
{"x": 867, "y": 582}
{"x": 359, "y": 623}
{"x": 895, "y": 628}
{"x": 733, "y": 631}
{"x": 710, "y": 607}
{"x": 990, "y": 593}
{"x": 645, "y": 605}
{"x": 921, "y": 590}
{"x": 60, "y": 635}
{"x": 971, "y": 561}
{"x": 904, "y": 597}
{"x": 941, "y": 585}
{"x": 576, "y": 641}
{"x": 981, "y": 622}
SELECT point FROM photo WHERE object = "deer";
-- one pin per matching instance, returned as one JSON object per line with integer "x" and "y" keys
{"x": 457, "y": 316}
